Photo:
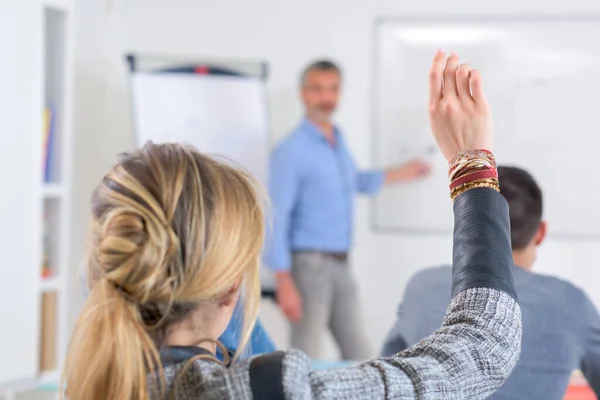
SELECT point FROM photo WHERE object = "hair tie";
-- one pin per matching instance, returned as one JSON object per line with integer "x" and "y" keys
{"x": 123, "y": 292}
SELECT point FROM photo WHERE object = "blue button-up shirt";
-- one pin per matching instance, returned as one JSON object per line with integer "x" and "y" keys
{"x": 260, "y": 341}
{"x": 312, "y": 186}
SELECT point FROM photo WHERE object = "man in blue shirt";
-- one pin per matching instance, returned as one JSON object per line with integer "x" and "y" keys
{"x": 561, "y": 327}
{"x": 313, "y": 180}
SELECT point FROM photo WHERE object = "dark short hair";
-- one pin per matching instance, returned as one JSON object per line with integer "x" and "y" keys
{"x": 319, "y": 65}
{"x": 524, "y": 198}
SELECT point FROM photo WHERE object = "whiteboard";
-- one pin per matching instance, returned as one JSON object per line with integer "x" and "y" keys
{"x": 222, "y": 116}
{"x": 541, "y": 79}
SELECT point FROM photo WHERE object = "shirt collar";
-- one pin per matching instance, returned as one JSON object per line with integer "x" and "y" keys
{"x": 524, "y": 270}
{"x": 177, "y": 354}
{"x": 314, "y": 132}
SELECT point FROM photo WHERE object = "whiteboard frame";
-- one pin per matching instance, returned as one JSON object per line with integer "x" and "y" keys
{"x": 375, "y": 95}
{"x": 260, "y": 70}
{"x": 153, "y": 61}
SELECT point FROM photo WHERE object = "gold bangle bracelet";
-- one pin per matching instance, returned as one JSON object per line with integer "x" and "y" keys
{"x": 453, "y": 196}
{"x": 473, "y": 154}
{"x": 490, "y": 181}
{"x": 473, "y": 185}
{"x": 482, "y": 180}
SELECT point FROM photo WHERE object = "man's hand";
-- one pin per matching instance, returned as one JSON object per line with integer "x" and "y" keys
{"x": 407, "y": 172}
{"x": 288, "y": 297}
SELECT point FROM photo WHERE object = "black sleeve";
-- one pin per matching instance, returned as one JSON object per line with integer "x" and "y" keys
{"x": 266, "y": 377}
{"x": 482, "y": 255}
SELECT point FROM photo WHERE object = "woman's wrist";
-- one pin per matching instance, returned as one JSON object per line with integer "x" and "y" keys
{"x": 472, "y": 169}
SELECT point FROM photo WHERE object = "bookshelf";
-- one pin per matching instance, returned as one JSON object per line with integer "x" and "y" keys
{"x": 53, "y": 191}
{"x": 64, "y": 5}
{"x": 47, "y": 110}
{"x": 56, "y": 183}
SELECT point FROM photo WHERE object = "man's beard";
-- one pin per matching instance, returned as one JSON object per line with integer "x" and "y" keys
{"x": 323, "y": 115}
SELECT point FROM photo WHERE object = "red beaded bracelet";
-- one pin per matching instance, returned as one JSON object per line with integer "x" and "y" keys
{"x": 475, "y": 176}
{"x": 472, "y": 169}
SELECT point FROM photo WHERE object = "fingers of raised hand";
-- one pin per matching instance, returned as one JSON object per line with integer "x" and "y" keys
{"x": 463, "y": 84}
{"x": 450, "y": 89}
{"x": 477, "y": 88}
{"x": 435, "y": 76}
{"x": 458, "y": 112}
{"x": 450, "y": 81}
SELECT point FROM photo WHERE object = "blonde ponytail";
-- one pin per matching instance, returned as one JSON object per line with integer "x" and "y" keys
{"x": 110, "y": 350}
{"x": 171, "y": 230}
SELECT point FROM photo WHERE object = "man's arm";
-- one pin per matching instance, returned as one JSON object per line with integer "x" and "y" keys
{"x": 369, "y": 182}
{"x": 590, "y": 363}
{"x": 407, "y": 172}
{"x": 284, "y": 181}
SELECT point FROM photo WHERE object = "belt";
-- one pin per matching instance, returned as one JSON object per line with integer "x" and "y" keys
{"x": 340, "y": 256}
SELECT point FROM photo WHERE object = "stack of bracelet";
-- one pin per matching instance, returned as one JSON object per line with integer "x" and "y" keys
{"x": 472, "y": 169}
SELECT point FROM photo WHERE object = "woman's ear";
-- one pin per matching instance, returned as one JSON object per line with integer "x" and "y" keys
{"x": 230, "y": 297}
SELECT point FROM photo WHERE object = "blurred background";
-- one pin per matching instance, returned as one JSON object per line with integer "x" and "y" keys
{"x": 63, "y": 72}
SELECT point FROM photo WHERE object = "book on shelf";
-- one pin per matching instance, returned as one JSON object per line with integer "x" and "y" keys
{"x": 48, "y": 141}
{"x": 46, "y": 270}
{"x": 49, "y": 331}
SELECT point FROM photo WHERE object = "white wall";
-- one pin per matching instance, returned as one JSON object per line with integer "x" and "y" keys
{"x": 21, "y": 103}
{"x": 90, "y": 160}
{"x": 287, "y": 34}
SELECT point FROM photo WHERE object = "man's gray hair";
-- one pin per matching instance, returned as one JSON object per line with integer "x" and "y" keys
{"x": 319, "y": 65}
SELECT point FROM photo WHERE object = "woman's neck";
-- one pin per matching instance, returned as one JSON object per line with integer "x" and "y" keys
{"x": 184, "y": 334}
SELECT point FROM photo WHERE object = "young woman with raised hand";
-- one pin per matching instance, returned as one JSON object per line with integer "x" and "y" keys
{"x": 177, "y": 240}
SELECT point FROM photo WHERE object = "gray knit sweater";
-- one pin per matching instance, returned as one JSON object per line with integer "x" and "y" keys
{"x": 469, "y": 357}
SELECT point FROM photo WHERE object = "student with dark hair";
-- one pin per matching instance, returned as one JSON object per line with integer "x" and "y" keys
{"x": 313, "y": 181}
{"x": 561, "y": 327}
{"x": 176, "y": 242}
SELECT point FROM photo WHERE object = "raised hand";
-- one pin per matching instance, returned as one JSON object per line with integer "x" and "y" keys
{"x": 458, "y": 111}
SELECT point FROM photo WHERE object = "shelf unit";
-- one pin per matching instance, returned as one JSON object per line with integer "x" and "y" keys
{"x": 53, "y": 191}
{"x": 56, "y": 183}
{"x": 63, "y": 5}
{"x": 55, "y": 91}
{"x": 52, "y": 284}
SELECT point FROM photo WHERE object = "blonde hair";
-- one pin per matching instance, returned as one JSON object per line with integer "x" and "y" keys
{"x": 171, "y": 228}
